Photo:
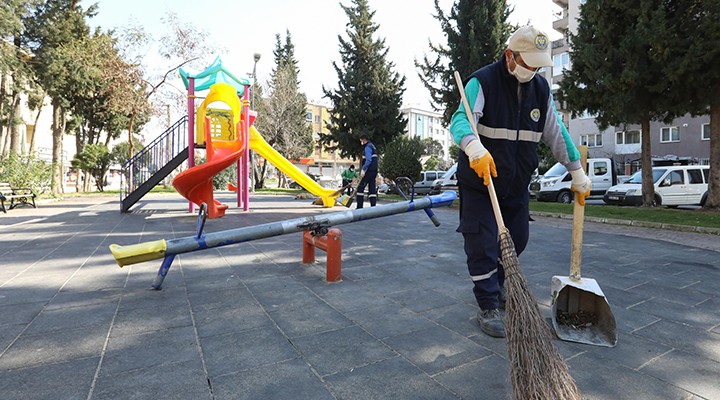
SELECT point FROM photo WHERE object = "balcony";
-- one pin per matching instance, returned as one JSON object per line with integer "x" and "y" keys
{"x": 561, "y": 24}
{"x": 558, "y": 44}
{"x": 561, "y": 3}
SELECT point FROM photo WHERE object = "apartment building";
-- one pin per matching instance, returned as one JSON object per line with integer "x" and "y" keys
{"x": 425, "y": 124}
{"x": 685, "y": 140}
{"x": 322, "y": 162}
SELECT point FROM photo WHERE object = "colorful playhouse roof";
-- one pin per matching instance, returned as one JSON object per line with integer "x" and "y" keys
{"x": 213, "y": 74}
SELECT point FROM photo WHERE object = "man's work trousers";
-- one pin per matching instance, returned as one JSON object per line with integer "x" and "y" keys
{"x": 367, "y": 180}
{"x": 479, "y": 229}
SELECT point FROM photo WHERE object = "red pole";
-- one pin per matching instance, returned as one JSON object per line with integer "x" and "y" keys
{"x": 191, "y": 129}
{"x": 331, "y": 243}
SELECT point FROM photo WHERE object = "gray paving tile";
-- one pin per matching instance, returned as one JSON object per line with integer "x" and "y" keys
{"x": 679, "y": 313}
{"x": 71, "y": 317}
{"x": 388, "y": 285}
{"x": 54, "y": 347}
{"x": 309, "y": 320}
{"x": 459, "y": 318}
{"x": 631, "y": 351}
{"x": 245, "y": 350}
{"x": 146, "y": 297}
{"x": 8, "y": 333}
{"x": 389, "y": 320}
{"x": 600, "y": 380}
{"x": 436, "y": 349}
{"x": 680, "y": 336}
{"x": 211, "y": 299}
{"x": 422, "y": 299}
{"x": 284, "y": 380}
{"x": 487, "y": 378}
{"x": 147, "y": 319}
{"x": 65, "y": 380}
{"x": 687, "y": 371}
{"x": 288, "y": 299}
{"x": 234, "y": 318}
{"x": 21, "y": 313}
{"x": 343, "y": 349}
{"x": 170, "y": 381}
{"x": 390, "y": 379}
{"x": 66, "y": 298}
{"x": 350, "y": 296}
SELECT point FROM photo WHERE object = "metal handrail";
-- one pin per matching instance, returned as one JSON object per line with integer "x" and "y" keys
{"x": 153, "y": 157}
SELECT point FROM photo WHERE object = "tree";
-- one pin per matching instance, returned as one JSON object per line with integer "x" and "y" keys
{"x": 369, "y": 93}
{"x": 55, "y": 24}
{"x": 402, "y": 158}
{"x": 476, "y": 32}
{"x": 94, "y": 159}
{"x": 615, "y": 74}
{"x": 693, "y": 30}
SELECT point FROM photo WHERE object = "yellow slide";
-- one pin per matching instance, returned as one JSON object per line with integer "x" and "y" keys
{"x": 258, "y": 144}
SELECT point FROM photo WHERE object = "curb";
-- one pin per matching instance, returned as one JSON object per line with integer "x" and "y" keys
{"x": 642, "y": 224}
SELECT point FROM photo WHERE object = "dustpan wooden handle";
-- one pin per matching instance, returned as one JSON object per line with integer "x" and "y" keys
{"x": 578, "y": 222}
{"x": 491, "y": 186}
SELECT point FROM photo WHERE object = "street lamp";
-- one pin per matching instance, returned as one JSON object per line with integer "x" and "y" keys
{"x": 256, "y": 58}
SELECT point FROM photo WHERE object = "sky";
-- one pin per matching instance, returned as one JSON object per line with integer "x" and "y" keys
{"x": 242, "y": 28}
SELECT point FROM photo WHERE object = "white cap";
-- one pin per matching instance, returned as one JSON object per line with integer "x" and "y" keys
{"x": 533, "y": 45}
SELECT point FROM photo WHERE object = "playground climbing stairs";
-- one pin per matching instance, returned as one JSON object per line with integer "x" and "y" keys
{"x": 152, "y": 164}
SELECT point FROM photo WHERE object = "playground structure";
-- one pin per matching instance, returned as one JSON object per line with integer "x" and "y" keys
{"x": 168, "y": 249}
{"x": 231, "y": 136}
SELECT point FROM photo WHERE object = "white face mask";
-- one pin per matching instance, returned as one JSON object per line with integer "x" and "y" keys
{"x": 522, "y": 74}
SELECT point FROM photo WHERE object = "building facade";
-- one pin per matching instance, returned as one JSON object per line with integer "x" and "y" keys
{"x": 324, "y": 163}
{"x": 423, "y": 124}
{"x": 685, "y": 140}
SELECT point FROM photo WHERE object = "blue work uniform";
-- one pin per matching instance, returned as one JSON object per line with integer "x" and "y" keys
{"x": 511, "y": 119}
{"x": 370, "y": 170}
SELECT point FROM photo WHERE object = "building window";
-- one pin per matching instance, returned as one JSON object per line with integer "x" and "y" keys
{"x": 591, "y": 140}
{"x": 627, "y": 137}
{"x": 308, "y": 116}
{"x": 705, "y": 132}
{"x": 317, "y": 119}
{"x": 561, "y": 62}
{"x": 669, "y": 134}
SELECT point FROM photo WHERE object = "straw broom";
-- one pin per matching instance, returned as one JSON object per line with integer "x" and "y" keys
{"x": 537, "y": 369}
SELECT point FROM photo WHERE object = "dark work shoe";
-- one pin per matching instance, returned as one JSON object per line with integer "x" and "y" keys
{"x": 491, "y": 323}
{"x": 502, "y": 298}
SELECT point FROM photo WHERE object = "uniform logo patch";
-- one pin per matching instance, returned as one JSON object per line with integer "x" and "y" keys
{"x": 541, "y": 42}
{"x": 535, "y": 114}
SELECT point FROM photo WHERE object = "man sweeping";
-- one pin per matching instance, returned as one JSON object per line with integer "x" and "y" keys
{"x": 513, "y": 109}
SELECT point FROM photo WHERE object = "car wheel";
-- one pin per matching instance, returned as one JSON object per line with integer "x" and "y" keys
{"x": 565, "y": 197}
{"x": 657, "y": 201}
{"x": 704, "y": 199}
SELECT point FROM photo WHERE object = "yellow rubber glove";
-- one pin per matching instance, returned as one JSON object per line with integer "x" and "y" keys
{"x": 581, "y": 185}
{"x": 481, "y": 161}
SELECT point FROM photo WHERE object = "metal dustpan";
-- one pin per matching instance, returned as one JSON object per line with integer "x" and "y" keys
{"x": 580, "y": 311}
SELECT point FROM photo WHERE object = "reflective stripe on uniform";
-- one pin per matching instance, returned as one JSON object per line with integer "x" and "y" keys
{"x": 503, "y": 133}
{"x": 484, "y": 276}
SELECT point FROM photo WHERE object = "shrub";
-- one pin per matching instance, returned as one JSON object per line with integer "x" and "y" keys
{"x": 25, "y": 171}
{"x": 402, "y": 158}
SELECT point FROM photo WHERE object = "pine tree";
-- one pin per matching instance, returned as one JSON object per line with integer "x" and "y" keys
{"x": 690, "y": 64}
{"x": 476, "y": 32}
{"x": 615, "y": 74}
{"x": 369, "y": 93}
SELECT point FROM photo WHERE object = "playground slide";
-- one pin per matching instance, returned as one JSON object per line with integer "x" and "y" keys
{"x": 258, "y": 144}
{"x": 196, "y": 183}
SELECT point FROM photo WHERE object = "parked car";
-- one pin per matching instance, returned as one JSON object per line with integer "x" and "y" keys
{"x": 555, "y": 183}
{"x": 424, "y": 185}
{"x": 674, "y": 186}
{"x": 447, "y": 182}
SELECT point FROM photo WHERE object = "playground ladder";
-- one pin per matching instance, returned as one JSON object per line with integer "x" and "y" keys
{"x": 152, "y": 164}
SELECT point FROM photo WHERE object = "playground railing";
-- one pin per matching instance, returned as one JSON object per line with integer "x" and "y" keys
{"x": 158, "y": 153}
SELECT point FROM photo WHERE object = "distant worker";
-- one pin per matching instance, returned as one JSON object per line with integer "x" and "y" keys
{"x": 513, "y": 110}
{"x": 368, "y": 172}
{"x": 347, "y": 177}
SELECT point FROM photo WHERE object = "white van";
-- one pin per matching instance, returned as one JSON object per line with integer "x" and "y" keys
{"x": 554, "y": 185}
{"x": 447, "y": 182}
{"x": 427, "y": 178}
{"x": 674, "y": 186}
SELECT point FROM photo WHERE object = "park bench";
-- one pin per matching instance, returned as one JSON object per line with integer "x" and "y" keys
{"x": 16, "y": 197}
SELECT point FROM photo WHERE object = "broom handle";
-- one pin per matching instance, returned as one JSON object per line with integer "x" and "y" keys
{"x": 491, "y": 186}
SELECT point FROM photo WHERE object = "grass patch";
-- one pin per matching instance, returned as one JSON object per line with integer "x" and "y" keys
{"x": 663, "y": 215}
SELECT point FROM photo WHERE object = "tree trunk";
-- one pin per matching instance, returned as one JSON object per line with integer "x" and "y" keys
{"x": 58, "y": 128}
{"x": 130, "y": 135}
{"x": 31, "y": 146}
{"x": 713, "y": 198}
{"x": 648, "y": 190}
{"x": 3, "y": 149}
{"x": 14, "y": 127}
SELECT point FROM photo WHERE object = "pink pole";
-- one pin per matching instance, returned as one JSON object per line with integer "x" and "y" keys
{"x": 191, "y": 130}
{"x": 246, "y": 153}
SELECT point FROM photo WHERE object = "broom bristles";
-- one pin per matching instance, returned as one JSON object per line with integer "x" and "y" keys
{"x": 537, "y": 369}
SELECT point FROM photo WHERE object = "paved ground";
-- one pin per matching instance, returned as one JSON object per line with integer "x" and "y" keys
{"x": 250, "y": 321}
